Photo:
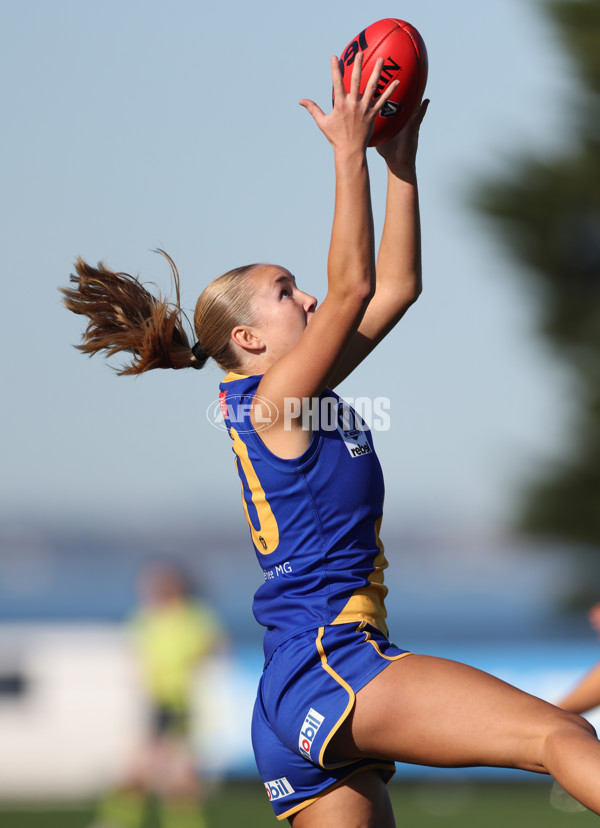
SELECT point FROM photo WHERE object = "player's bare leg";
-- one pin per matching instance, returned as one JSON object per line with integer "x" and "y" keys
{"x": 362, "y": 802}
{"x": 431, "y": 711}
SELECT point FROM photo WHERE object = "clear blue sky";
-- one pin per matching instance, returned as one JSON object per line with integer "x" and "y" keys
{"x": 134, "y": 125}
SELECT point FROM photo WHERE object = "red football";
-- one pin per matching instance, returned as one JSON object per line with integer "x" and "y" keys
{"x": 404, "y": 59}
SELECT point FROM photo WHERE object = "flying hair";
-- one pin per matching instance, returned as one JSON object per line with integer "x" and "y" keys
{"x": 126, "y": 317}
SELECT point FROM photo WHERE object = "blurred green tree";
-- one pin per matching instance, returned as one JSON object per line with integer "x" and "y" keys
{"x": 549, "y": 211}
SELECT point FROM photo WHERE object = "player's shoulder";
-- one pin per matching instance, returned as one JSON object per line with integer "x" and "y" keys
{"x": 239, "y": 383}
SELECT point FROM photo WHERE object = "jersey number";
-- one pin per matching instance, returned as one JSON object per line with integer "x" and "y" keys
{"x": 266, "y": 537}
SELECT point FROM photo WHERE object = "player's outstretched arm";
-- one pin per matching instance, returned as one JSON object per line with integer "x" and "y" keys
{"x": 398, "y": 281}
{"x": 306, "y": 369}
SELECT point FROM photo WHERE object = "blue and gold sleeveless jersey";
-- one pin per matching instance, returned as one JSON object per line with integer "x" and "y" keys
{"x": 314, "y": 520}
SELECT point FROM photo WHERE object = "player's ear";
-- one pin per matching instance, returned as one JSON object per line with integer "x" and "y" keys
{"x": 246, "y": 337}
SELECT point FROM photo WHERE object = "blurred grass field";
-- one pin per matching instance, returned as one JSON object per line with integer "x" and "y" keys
{"x": 415, "y": 806}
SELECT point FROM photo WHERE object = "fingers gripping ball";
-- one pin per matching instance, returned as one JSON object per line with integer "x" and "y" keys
{"x": 404, "y": 59}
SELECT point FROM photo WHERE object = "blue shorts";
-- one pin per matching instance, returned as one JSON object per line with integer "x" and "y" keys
{"x": 305, "y": 693}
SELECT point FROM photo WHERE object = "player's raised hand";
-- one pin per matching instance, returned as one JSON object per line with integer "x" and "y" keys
{"x": 350, "y": 123}
{"x": 400, "y": 152}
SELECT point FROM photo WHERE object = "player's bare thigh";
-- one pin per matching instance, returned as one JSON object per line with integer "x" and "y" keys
{"x": 362, "y": 802}
{"x": 433, "y": 711}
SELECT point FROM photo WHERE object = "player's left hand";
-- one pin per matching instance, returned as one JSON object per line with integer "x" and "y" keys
{"x": 400, "y": 152}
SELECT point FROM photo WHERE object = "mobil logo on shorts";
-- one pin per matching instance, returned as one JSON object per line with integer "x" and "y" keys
{"x": 309, "y": 729}
{"x": 278, "y": 788}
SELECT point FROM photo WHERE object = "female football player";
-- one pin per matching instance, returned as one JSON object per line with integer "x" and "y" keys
{"x": 337, "y": 704}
